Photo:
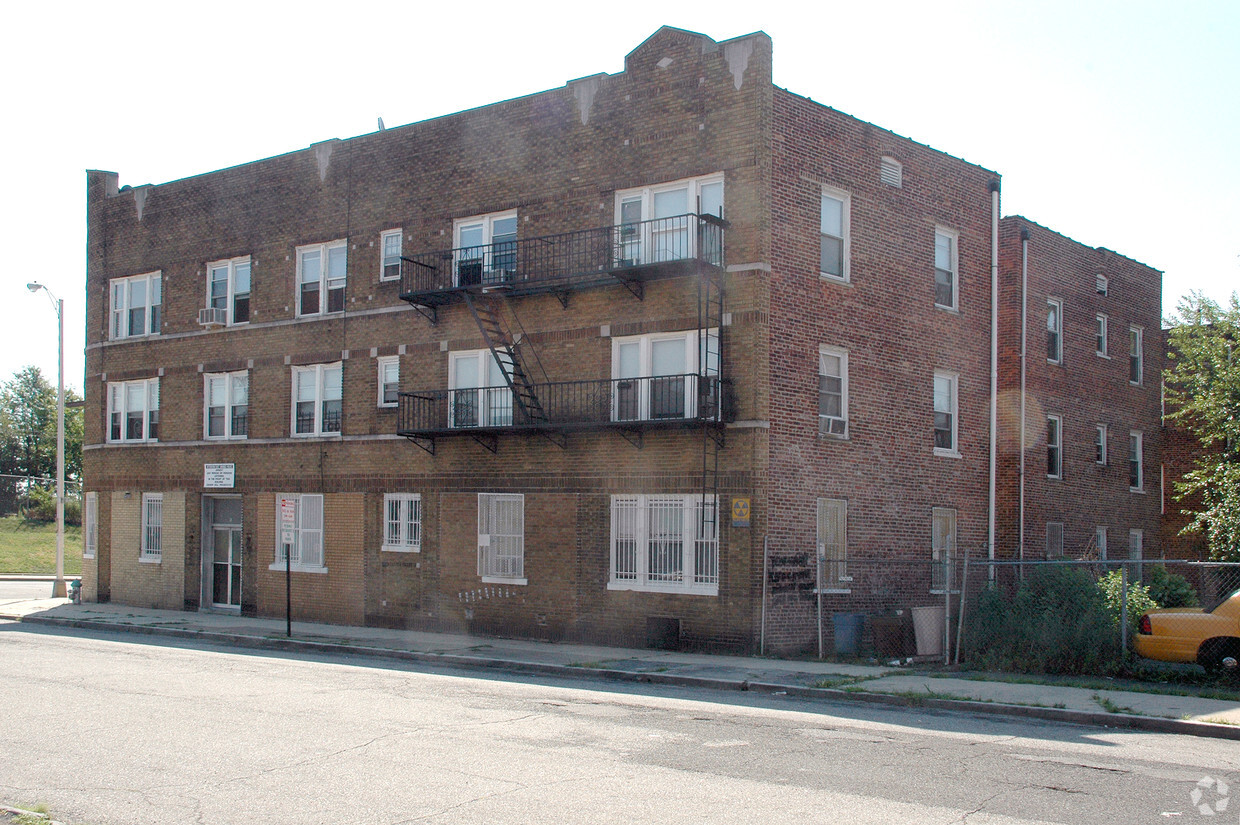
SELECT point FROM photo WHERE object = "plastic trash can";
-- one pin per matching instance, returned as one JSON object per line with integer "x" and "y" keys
{"x": 848, "y": 627}
{"x": 928, "y": 626}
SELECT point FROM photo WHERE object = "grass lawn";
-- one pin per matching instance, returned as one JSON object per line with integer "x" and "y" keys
{"x": 30, "y": 547}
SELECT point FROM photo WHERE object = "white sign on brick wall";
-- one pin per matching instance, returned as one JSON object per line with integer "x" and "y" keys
{"x": 288, "y": 519}
{"x": 219, "y": 475}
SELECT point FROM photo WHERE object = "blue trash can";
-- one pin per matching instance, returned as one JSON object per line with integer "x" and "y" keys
{"x": 848, "y": 627}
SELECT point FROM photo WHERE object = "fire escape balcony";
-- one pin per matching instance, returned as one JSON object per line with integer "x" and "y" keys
{"x": 630, "y": 404}
{"x": 630, "y": 253}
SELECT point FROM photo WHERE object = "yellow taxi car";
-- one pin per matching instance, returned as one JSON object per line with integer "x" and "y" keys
{"x": 1208, "y": 636}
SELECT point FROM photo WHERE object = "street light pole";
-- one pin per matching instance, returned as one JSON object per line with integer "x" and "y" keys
{"x": 59, "y": 590}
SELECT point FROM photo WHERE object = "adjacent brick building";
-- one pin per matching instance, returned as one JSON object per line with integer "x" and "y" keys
{"x": 666, "y": 356}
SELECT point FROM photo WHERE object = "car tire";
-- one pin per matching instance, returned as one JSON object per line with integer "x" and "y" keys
{"x": 1214, "y": 651}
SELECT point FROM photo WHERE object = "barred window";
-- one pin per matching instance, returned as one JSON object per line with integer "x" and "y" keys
{"x": 664, "y": 543}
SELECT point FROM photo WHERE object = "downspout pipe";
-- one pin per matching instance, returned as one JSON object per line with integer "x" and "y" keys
{"x": 1024, "y": 335}
{"x": 994, "y": 363}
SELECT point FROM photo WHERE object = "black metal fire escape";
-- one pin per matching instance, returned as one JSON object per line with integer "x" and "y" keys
{"x": 710, "y": 383}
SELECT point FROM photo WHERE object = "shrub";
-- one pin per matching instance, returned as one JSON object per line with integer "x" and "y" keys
{"x": 1139, "y": 600}
{"x": 40, "y": 505}
{"x": 1170, "y": 589}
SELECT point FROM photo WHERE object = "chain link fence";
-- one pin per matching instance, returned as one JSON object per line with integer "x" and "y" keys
{"x": 34, "y": 498}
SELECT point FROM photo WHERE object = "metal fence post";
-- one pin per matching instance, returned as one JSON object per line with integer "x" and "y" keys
{"x": 1123, "y": 610}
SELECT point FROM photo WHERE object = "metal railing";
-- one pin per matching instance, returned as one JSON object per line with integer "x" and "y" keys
{"x": 607, "y": 402}
{"x": 558, "y": 260}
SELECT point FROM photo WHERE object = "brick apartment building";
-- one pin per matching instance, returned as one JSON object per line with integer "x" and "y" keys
{"x": 591, "y": 364}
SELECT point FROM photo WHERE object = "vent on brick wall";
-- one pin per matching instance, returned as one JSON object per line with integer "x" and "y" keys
{"x": 1101, "y": 284}
{"x": 213, "y": 317}
{"x": 891, "y": 172}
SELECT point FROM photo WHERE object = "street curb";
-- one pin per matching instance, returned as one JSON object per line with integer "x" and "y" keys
{"x": 33, "y": 577}
{"x": 1094, "y": 719}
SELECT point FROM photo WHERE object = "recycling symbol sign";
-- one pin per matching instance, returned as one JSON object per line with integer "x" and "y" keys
{"x": 1210, "y": 796}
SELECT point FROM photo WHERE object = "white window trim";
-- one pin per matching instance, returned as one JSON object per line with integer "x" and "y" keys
{"x": 298, "y": 531}
{"x": 485, "y": 255}
{"x": 150, "y": 554}
{"x": 487, "y": 413}
{"x": 1140, "y": 488}
{"x": 1100, "y": 542}
{"x": 647, "y": 193}
{"x": 846, "y": 226}
{"x": 1136, "y": 549}
{"x": 842, "y": 582}
{"x": 646, "y": 342}
{"x": 320, "y": 371}
{"x": 1058, "y": 446}
{"x": 649, "y": 248}
{"x": 382, "y": 364}
{"x": 1101, "y": 429}
{"x": 953, "y": 547}
{"x": 150, "y": 391}
{"x": 954, "y": 236}
{"x": 954, "y": 377}
{"x": 1058, "y": 304}
{"x": 154, "y": 282}
{"x": 230, "y": 307}
{"x": 400, "y": 247}
{"x": 90, "y": 524}
{"x": 323, "y": 250}
{"x": 229, "y": 405}
{"x": 1103, "y": 322}
{"x": 688, "y": 583}
{"x": 406, "y": 543}
{"x": 1139, "y": 354}
{"x": 842, "y": 354}
{"x": 484, "y": 539}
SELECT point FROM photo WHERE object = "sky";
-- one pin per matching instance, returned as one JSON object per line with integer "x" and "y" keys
{"x": 1114, "y": 123}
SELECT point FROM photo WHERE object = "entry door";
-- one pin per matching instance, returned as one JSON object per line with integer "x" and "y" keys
{"x": 224, "y": 551}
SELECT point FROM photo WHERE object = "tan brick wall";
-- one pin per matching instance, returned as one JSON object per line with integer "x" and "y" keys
{"x": 147, "y": 584}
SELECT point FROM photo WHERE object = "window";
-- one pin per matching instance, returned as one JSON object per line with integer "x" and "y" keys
{"x": 317, "y": 402}
{"x": 1100, "y": 284}
{"x": 1100, "y": 444}
{"x": 227, "y": 398}
{"x": 152, "y": 527}
{"x": 833, "y": 232}
{"x": 833, "y": 392}
{"x": 501, "y": 537}
{"x": 1136, "y": 552}
{"x": 90, "y": 525}
{"x": 1054, "y": 540}
{"x": 402, "y": 522}
{"x": 664, "y": 543}
{"x": 945, "y": 266}
{"x": 1100, "y": 542}
{"x": 942, "y": 547}
{"x": 945, "y": 419}
{"x": 322, "y": 271}
{"x": 891, "y": 172}
{"x": 1135, "y": 334}
{"x": 1100, "y": 335}
{"x": 389, "y": 381}
{"x": 389, "y": 249}
{"x": 1136, "y": 481}
{"x": 651, "y": 225}
{"x": 479, "y": 391}
{"x": 655, "y": 377}
{"x": 1054, "y": 446}
{"x": 299, "y": 532}
{"x": 833, "y": 544}
{"x": 136, "y": 305}
{"x": 228, "y": 289}
{"x": 1054, "y": 330}
{"x": 486, "y": 248}
{"x": 133, "y": 410}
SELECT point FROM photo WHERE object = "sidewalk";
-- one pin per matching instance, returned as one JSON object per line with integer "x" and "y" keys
{"x": 828, "y": 680}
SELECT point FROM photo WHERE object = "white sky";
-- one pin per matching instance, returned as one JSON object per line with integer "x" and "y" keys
{"x": 1115, "y": 123}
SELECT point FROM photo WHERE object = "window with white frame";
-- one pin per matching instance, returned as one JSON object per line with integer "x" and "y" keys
{"x": 389, "y": 254}
{"x": 1136, "y": 478}
{"x": 479, "y": 392}
{"x": 136, "y": 305}
{"x": 389, "y": 380}
{"x": 1100, "y": 444}
{"x": 299, "y": 531}
{"x": 832, "y": 530}
{"x": 664, "y": 543}
{"x": 1100, "y": 284}
{"x": 1100, "y": 335}
{"x": 152, "y": 527}
{"x": 322, "y": 272}
{"x": 946, "y": 264}
{"x": 486, "y": 248}
{"x": 402, "y": 522}
{"x": 1054, "y": 446}
{"x": 317, "y": 399}
{"x": 90, "y": 525}
{"x": 652, "y": 222}
{"x": 655, "y": 377}
{"x": 501, "y": 538}
{"x": 942, "y": 548}
{"x": 1100, "y": 542}
{"x": 1054, "y": 540}
{"x": 946, "y": 425}
{"x": 1054, "y": 330}
{"x": 133, "y": 410}
{"x": 833, "y": 392}
{"x": 1135, "y": 360}
{"x": 833, "y": 234}
{"x": 228, "y": 289}
{"x": 226, "y": 401}
{"x": 1136, "y": 552}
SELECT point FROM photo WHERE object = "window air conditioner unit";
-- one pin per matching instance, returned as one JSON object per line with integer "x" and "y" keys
{"x": 213, "y": 317}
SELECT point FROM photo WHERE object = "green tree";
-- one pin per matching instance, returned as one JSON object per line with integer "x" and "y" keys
{"x": 1203, "y": 397}
{"x": 28, "y": 427}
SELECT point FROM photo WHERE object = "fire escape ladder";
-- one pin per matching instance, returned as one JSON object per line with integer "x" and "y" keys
{"x": 710, "y": 395}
